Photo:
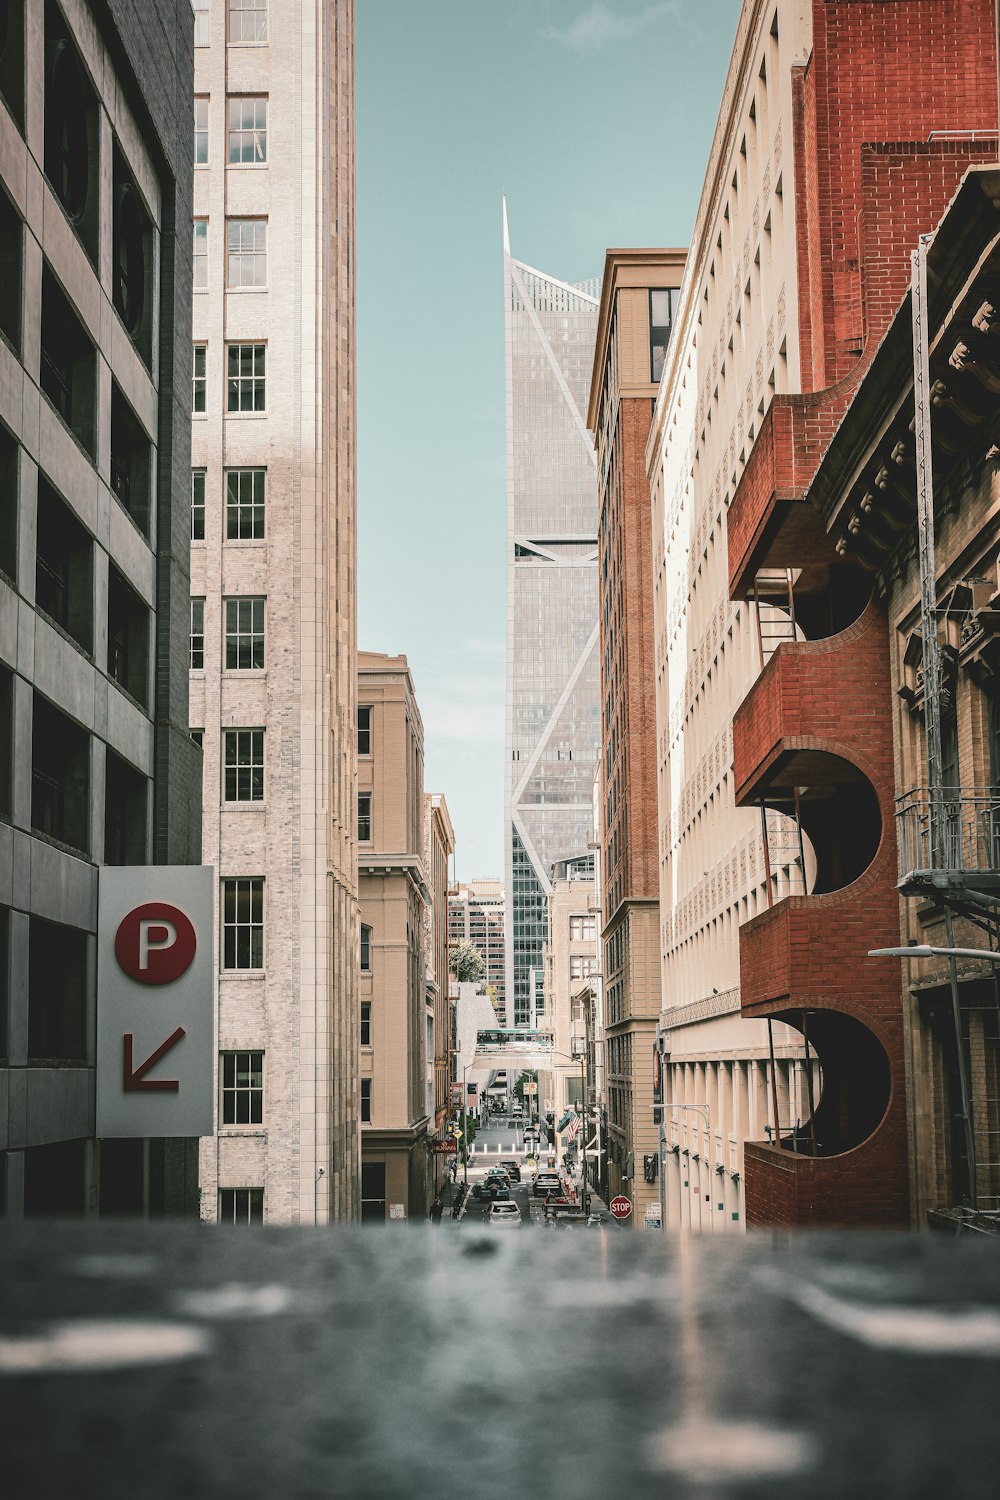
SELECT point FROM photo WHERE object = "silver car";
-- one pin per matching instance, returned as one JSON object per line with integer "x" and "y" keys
{"x": 504, "y": 1216}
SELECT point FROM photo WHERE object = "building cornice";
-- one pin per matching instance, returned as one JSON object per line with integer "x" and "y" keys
{"x": 650, "y": 269}
{"x": 724, "y": 1004}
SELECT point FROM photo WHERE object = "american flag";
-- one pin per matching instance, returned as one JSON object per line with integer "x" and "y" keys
{"x": 574, "y": 1127}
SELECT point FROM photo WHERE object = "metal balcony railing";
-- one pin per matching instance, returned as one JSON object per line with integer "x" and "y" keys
{"x": 962, "y": 835}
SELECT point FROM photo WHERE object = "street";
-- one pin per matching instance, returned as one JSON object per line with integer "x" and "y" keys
{"x": 504, "y": 1137}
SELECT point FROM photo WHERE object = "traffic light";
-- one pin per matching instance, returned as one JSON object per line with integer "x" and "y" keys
{"x": 649, "y": 1167}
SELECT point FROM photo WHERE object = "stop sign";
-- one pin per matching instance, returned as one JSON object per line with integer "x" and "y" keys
{"x": 621, "y": 1207}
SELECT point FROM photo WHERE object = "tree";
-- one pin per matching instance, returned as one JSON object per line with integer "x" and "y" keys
{"x": 466, "y": 963}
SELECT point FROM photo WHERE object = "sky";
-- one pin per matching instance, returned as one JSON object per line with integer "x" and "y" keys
{"x": 595, "y": 120}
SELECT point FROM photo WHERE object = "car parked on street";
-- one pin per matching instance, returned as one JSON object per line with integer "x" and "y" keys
{"x": 503, "y": 1216}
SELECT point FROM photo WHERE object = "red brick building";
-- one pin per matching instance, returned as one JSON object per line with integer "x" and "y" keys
{"x": 634, "y": 326}
{"x": 894, "y": 103}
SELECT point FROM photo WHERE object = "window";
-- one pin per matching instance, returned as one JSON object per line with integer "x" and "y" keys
{"x": 243, "y": 923}
{"x": 197, "y": 505}
{"x": 248, "y": 20}
{"x": 365, "y": 817}
{"x": 9, "y": 503}
{"x": 660, "y": 321}
{"x": 60, "y": 777}
{"x": 199, "y": 377}
{"x": 241, "y": 1205}
{"x": 12, "y": 72}
{"x": 201, "y": 130}
{"x": 244, "y": 762}
{"x": 68, "y": 364}
{"x": 245, "y": 377}
{"x": 582, "y": 929}
{"x": 72, "y": 132}
{"x": 57, "y": 992}
{"x": 364, "y": 729}
{"x": 131, "y": 257}
{"x": 581, "y": 966}
{"x": 197, "y": 662}
{"x": 247, "y": 130}
{"x": 125, "y": 793}
{"x": 201, "y": 20}
{"x": 246, "y": 260}
{"x": 64, "y": 575}
{"x": 366, "y": 1101}
{"x": 242, "y": 1088}
{"x": 128, "y": 638}
{"x": 366, "y": 1023}
{"x": 366, "y": 949}
{"x": 131, "y": 460}
{"x": 245, "y": 505}
{"x": 244, "y": 635}
{"x": 11, "y": 246}
{"x": 200, "y": 253}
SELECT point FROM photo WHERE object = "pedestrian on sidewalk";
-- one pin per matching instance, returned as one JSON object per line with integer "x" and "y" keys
{"x": 437, "y": 1209}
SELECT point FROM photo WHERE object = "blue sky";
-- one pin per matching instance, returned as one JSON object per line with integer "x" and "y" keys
{"x": 595, "y": 119}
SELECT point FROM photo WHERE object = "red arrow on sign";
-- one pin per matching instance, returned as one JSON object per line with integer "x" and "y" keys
{"x": 133, "y": 1080}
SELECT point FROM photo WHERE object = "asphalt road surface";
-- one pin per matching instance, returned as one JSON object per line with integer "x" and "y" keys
{"x": 504, "y": 1137}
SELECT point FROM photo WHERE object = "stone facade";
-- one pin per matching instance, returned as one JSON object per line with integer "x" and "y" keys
{"x": 874, "y": 165}
{"x": 396, "y": 867}
{"x": 273, "y": 562}
{"x": 634, "y": 326}
{"x": 96, "y": 764}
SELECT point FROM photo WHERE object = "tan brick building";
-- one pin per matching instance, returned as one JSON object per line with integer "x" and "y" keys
{"x": 273, "y": 648}
{"x": 634, "y": 324}
{"x": 401, "y": 858}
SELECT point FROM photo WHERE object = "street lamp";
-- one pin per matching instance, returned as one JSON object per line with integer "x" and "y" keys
{"x": 928, "y": 950}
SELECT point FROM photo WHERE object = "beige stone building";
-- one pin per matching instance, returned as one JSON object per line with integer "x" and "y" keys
{"x": 633, "y": 333}
{"x": 570, "y": 962}
{"x": 397, "y": 853}
{"x": 439, "y": 846}
{"x": 733, "y": 345}
{"x": 273, "y": 648}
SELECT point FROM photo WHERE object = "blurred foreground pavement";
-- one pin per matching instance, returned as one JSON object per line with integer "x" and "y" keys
{"x": 394, "y": 1364}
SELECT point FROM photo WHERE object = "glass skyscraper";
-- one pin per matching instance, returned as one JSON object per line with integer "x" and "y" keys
{"x": 553, "y": 693}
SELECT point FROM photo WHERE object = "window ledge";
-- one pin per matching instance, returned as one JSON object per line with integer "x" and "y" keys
{"x": 239, "y": 806}
{"x": 234, "y": 1133}
{"x": 256, "y": 975}
{"x": 237, "y": 291}
{"x": 247, "y": 416}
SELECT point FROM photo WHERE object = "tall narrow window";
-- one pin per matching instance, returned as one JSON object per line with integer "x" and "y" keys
{"x": 243, "y": 923}
{"x": 197, "y": 505}
{"x": 248, "y": 21}
{"x": 366, "y": 1023}
{"x": 201, "y": 130}
{"x": 201, "y": 20}
{"x": 244, "y": 760}
{"x": 241, "y": 1206}
{"x": 364, "y": 817}
{"x": 244, "y": 634}
{"x": 364, "y": 729}
{"x": 245, "y": 504}
{"x": 242, "y": 1088}
{"x": 197, "y": 642}
{"x": 245, "y": 376}
{"x": 199, "y": 377}
{"x": 366, "y": 949}
{"x": 366, "y": 1101}
{"x": 200, "y": 255}
{"x": 660, "y": 322}
{"x": 248, "y": 131}
{"x": 246, "y": 258}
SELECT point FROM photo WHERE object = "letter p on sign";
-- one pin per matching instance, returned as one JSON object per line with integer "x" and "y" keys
{"x": 155, "y": 943}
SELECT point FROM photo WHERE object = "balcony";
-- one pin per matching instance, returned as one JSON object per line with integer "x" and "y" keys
{"x": 957, "y": 843}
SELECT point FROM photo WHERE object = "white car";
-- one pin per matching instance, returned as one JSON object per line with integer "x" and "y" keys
{"x": 504, "y": 1216}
